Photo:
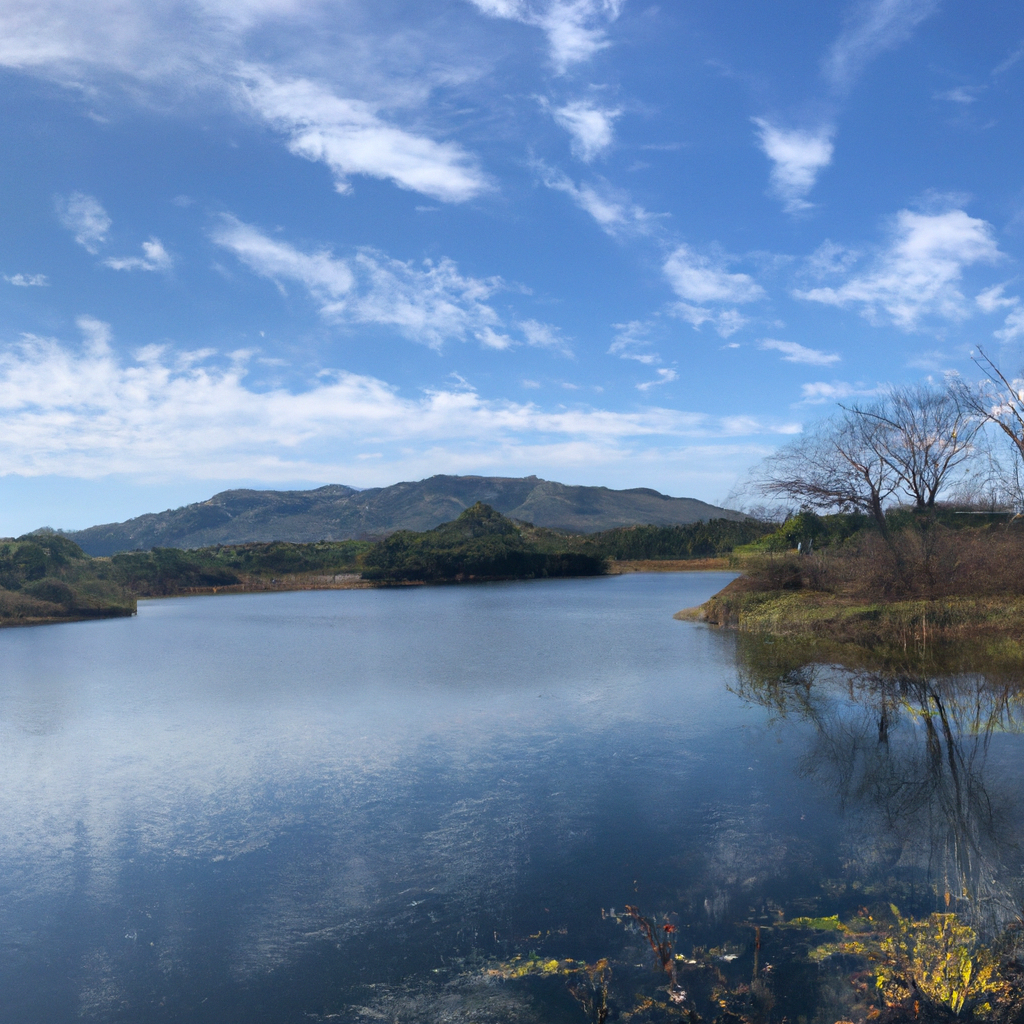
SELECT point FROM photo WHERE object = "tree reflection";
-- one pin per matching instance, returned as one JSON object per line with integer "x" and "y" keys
{"x": 920, "y": 765}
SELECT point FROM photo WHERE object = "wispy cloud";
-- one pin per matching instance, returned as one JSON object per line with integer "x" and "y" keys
{"x": 592, "y": 127}
{"x": 830, "y": 258}
{"x": 431, "y": 303}
{"x": 28, "y": 280}
{"x": 632, "y": 341}
{"x": 963, "y": 95}
{"x": 325, "y": 277}
{"x": 576, "y": 30}
{"x": 699, "y": 278}
{"x": 351, "y": 138}
{"x": 797, "y": 157}
{"x": 725, "y": 321}
{"x": 1013, "y": 328}
{"x": 665, "y": 376}
{"x": 85, "y": 217}
{"x": 918, "y": 274}
{"x": 611, "y": 207}
{"x": 154, "y": 257}
{"x": 541, "y": 335}
{"x": 992, "y": 300}
{"x": 86, "y": 412}
{"x": 821, "y": 392}
{"x": 792, "y": 352}
{"x": 874, "y": 27}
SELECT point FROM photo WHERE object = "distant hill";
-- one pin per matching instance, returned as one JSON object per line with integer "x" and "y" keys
{"x": 337, "y": 512}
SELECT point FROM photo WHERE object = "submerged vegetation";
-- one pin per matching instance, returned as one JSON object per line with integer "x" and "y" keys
{"x": 921, "y": 921}
{"x": 893, "y": 970}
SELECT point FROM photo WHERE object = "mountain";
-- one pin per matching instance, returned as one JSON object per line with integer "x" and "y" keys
{"x": 336, "y": 512}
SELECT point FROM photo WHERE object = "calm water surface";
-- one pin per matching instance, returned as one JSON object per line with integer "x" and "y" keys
{"x": 349, "y": 805}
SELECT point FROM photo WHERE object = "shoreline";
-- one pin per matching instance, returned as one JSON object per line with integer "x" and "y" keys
{"x": 354, "y": 581}
{"x": 290, "y": 583}
{"x": 829, "y": 624}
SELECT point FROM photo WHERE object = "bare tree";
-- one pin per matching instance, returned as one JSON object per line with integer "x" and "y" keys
{"x": 924, "y": 434}
{"x": 837, "y": 466}
{"x": 998, "y": 400}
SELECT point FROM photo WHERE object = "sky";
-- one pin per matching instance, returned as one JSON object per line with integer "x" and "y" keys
{"x": 285, "y": 243}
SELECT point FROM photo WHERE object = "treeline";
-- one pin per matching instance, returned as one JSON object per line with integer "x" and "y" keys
{"x": 45, "y": 577}
{"x": 165, "y": 571}
{"x": 707, "y": 539}
{"x": 481, "y": 544}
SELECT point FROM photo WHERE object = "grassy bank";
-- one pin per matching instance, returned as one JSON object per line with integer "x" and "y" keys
{"x": 923, "y": 585}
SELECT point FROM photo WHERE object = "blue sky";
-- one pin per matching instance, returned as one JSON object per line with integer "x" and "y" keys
{"x": 281, "y": 243}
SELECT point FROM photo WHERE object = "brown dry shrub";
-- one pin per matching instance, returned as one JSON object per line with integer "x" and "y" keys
{"x": 923, "y": 561}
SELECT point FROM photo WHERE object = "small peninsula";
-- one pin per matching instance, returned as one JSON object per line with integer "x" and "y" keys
{"x": 933, "y": 580}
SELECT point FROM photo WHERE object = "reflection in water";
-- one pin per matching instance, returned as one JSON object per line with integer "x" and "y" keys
{"x": 407, "y": 804}
{"x": 919, "y": 766}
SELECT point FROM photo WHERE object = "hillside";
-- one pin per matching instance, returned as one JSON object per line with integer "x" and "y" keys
{"x": 336, "y": 512}
{"x": 44, "y": 578}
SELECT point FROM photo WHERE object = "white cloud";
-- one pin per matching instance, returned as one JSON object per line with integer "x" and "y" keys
{"x": 797, "y": 156}
{"x": 85, "y": 412}
{"x": 697, "y": 278}
{"x": 612, "y": 208}
{"x": 591, "y": 127}
{"x": 875, "y": 26}
{"x": 84, "y": 215}
{"x": 820, "y": 392}
{"x": 992, "y": 299}
{"x": 665, "y": 376}
{"x": 918, "y": 274}
{"x": 542, "y": 335}
{"x": 632, "y": 342}
{"x": 576, "y": 29}
{"x": 28, "y": 280}
{"x": 154, "y": 257}
{"x": 963, "y": 94}
{"x": 830, "y": 258}
{"x": 726, "y": 322}
{"x": 350, "y": 137}
{"x": 431, "y": 304}
{"x": 792, "y": 352}
{"x": 324, "y": 276}
{"x": 1014, "y": 326}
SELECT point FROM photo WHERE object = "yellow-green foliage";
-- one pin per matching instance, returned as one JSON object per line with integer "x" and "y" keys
{"x": 520, "y": 967}
{"x": 818, "y": 924}
{"x": 937, "y": 960}
{"x": 939, "y": 957}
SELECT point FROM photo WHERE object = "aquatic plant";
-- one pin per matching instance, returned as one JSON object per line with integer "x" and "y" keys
{"x": 939, "y": 959}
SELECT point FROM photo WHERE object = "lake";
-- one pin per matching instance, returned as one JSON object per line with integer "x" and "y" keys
{"x": 378, "y": 805}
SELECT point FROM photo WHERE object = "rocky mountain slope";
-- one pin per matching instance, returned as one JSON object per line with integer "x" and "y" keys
{"x": 337, "y": 512}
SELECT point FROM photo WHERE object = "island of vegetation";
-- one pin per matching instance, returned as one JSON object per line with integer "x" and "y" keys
{"x": 45, "y": 577}
{"x": 903, "y": 531}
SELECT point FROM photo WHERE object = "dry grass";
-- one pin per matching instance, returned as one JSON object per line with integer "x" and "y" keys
{"x": 918, "y": 589}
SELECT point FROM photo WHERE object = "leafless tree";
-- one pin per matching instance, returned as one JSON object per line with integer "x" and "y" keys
{"x": 1000, "y": 401}
{"x": 836, "y": 466}
{"x": 924, "y": 435}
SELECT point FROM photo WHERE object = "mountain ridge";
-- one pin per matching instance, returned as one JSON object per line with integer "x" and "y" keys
{"x": 339, "y": 512}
